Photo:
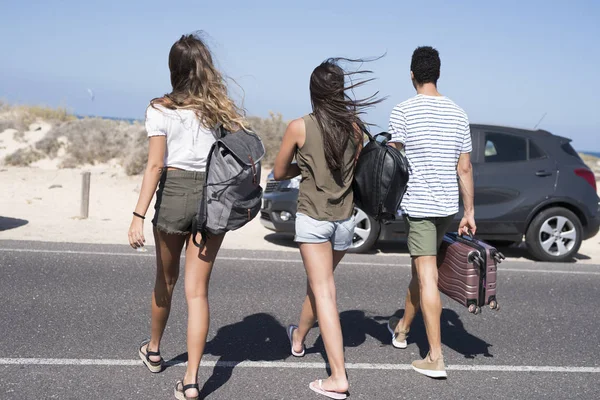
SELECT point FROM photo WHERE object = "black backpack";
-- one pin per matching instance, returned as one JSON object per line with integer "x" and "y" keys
{"x": 380, "y": 178}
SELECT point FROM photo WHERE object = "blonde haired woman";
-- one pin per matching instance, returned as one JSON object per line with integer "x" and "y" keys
{"x": 179, "y": 127}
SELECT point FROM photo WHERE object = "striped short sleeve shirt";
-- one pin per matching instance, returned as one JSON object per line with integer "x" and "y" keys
{"x": 434, "y": 132}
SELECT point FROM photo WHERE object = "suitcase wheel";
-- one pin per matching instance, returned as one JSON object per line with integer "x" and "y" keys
{"x": 494, "y": 305}
{"x": 473, "y": 309}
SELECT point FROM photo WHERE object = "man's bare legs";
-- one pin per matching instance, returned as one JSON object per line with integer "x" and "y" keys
{"x": 430, "y": 301}
{"x": 412, "y": 302}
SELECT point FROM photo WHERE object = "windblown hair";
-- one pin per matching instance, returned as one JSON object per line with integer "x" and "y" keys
{"x": 425, "y": 65}
{"x": 337, "y": 114}
{"x": 199, "y": 86}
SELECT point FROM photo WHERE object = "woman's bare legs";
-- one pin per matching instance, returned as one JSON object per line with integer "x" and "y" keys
{"x": 198, "y": 267}
{"x": 168, "y": 254}
{"x": 318, "y": 262}
{"x": 308, "y": 315}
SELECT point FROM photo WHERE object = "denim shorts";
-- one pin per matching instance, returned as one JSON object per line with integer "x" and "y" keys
{"x": 339, "y": 233}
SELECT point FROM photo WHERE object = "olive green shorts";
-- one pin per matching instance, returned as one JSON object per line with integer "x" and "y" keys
{"x": 425, "y": 235}
{"x": 177, "y": 200}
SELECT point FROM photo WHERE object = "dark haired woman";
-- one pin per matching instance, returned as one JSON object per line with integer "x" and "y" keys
{"x": 326, "y": 144}
{"x": 179, "y": 127}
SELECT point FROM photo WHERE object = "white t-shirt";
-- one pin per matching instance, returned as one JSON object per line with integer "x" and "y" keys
{"x": 434, "y": 131}
{"x": 188, "y": 140}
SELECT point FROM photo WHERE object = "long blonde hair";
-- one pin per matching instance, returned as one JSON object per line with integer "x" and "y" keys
{"x": 199, "y": 86}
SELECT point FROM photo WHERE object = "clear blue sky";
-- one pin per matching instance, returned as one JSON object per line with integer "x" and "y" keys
{"x": 504, "y": 62}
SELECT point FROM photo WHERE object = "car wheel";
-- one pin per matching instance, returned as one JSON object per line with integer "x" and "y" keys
{"x": 366, "y": 232}
{"x": 554, "y": 234}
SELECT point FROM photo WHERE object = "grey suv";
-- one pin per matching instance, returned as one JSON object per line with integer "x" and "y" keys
{"x": 527, "y": 183}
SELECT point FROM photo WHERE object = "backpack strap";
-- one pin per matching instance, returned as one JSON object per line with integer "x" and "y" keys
{"x": 366, "y": 131}
{"x": 195, "y": 233}
{"x": 219, "y": 132}
{"x": 203, "y": 204}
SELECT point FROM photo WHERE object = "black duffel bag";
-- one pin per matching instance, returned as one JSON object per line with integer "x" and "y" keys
{"x": 380, "y": 178}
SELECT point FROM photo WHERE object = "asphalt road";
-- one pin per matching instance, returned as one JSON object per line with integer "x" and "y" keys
{"x": 71, "y": 318}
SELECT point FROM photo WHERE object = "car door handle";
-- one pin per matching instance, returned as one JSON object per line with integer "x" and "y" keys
{"x": 543, "y": 173}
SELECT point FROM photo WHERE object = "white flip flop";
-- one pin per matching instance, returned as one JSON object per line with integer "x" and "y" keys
{"x": 290, "y": 332}
{"x": 332, "y": 395}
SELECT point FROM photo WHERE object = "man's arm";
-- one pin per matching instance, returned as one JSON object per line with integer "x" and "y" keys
{"x": 397, "y": 128}
{"x": 464, "y": 170}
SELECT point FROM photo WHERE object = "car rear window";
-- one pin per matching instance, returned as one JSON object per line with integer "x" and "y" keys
{"x": 567, "y": 148}
{"x": 535, "y": 152}
{"x": 501, "y": 148}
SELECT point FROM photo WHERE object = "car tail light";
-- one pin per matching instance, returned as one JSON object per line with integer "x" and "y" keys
{"x": 587, "y": 175}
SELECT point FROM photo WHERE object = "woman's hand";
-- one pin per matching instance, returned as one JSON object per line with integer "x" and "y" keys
{"x": 136, "y": 233}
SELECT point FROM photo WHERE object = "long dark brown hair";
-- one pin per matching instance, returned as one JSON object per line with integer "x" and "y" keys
{"x": 336, "y": 113}
{"x": 199, "y": 86}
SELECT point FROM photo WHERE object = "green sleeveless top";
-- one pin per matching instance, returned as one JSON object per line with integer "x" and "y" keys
{"x": 324, "y": 196}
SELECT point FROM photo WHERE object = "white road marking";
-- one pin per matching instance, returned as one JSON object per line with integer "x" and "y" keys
{"x": 286, "y": 261}
{"x": 547, "y": 271}
{"x": 135, "y": 254}
{"x": 91, "y": 253}
{"x": 296, "y": 365}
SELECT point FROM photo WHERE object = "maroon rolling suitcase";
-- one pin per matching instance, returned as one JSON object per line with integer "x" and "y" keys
{"x": 467, "y": 271}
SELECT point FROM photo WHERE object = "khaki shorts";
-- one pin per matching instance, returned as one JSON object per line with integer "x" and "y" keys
{"x": 425, "y": 235}
{"x": 177, "y": 200}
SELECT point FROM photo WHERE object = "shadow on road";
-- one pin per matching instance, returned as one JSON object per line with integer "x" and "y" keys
{"x": 259, "y": 337}
{"x": 7, "y": 223}
{"x": 356, "y": 326}
{"x": 282, "y": 239}
{"x": 509, "y": 250}
{"x": 454, "y": 335}
{"x": 520, "y": 251}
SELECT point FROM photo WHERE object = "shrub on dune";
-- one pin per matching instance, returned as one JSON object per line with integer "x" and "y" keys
{"x": 86, "y": 141}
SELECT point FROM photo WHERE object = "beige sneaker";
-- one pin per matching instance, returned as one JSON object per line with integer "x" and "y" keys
{"x": 430, "y": 368}
{"x": 398, "y": 337}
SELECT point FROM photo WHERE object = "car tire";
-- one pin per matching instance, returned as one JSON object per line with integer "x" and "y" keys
{"x": 366, "y": 232}
{"x": 554, "y": 235}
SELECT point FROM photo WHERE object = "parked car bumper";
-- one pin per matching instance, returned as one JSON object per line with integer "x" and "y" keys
{"x": 274, "y": 203}
{"x": 593, "y": 226}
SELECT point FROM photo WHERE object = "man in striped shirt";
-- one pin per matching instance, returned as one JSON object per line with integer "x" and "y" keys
{"x": 435, "y": 135}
